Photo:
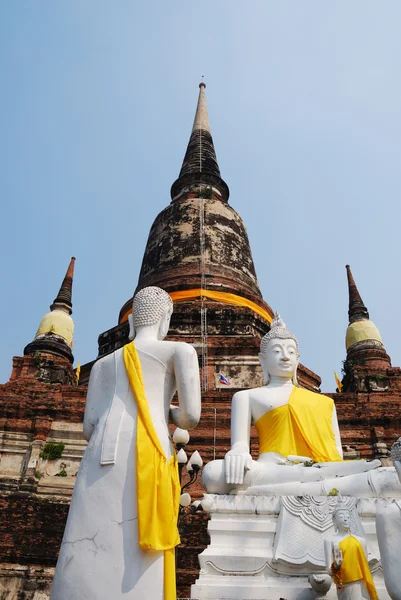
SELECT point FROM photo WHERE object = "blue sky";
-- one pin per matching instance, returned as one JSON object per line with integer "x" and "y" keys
{"x": 96, "y": 106}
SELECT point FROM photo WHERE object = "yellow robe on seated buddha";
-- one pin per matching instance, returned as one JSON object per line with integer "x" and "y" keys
{"x": 303, "y": 427}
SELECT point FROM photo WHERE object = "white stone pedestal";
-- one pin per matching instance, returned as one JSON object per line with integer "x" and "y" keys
{"x": 264, "y": 547}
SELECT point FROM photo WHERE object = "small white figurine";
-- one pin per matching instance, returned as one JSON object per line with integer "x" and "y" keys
{"x": 346, "y": 559}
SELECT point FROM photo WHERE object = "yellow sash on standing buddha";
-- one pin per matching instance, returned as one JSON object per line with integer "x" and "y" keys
{"x": 303, "y": 427}
{"x": 355, "y": 566}
{"x": 158, "y": 485}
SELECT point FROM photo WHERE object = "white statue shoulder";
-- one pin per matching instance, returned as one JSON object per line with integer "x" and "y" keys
{"x": 100, "y": 390}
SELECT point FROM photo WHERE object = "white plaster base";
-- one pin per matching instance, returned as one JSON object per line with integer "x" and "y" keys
{"x": 247, "y": 560}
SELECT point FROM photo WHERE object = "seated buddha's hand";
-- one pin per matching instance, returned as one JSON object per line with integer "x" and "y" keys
{"x": 300, "y": 459}
{"x": 237, "y": 461}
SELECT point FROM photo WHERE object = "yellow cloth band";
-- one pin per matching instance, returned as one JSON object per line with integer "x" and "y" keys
{"x": 158, "y": 484}
{"x": 355, "y": 566}
{"x": 224, "y": 297}
{"x": 303, "y": 427}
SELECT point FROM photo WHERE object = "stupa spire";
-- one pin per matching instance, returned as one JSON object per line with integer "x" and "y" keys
{"x": 362, "y": 333}
{"x": 200, "y": 169}
{"x": 365, "y": 368}
{"x": 201, "y": 120}
{"x": 55, "y": 333}
{"x": 357, "y": 311}
{"x": 63, "y": 301}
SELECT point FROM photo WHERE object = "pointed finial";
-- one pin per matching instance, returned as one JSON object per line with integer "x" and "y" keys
{"x": 55, "y": 333}
{"x": 200, "y": 169}
{"x": 201, "y": 120}
{"x": 63, "y": 300}
{"x": 357, "y": 311}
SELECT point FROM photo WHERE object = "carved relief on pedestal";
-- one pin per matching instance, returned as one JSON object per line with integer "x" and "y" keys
{"x": 303, "y": 524}
{"x": 273, "y": 546}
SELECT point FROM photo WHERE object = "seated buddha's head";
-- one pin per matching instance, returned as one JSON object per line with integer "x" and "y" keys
{"x": 279, "y": 354}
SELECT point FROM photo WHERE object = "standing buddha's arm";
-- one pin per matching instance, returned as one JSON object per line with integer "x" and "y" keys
{"x": 101, "y": 388}
{"x": 336, "y": 431}
{"x": 238, "y": 459}
{"x": 186, "y": 371}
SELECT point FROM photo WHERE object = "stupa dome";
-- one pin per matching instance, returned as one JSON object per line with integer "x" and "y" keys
{"x": 59, "y": 323}
{"x": 360, "y": 331}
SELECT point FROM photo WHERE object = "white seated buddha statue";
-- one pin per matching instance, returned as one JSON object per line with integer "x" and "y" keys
{"x": 122, "y": 525}
{"x": 296, "y": 428}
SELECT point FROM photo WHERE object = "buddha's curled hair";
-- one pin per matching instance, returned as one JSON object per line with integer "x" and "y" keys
{"x": 278, "y": 330}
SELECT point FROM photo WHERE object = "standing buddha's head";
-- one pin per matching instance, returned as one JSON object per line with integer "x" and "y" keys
{"x": 151, "y": 306}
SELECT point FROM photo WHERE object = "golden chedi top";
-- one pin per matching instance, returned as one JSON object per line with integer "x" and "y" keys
{"x": 361, "y": 331}
{"x": 59, "y": 323}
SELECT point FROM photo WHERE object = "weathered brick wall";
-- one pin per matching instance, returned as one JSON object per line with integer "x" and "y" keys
{"x": 31, "y": 407}
{"x": 194, "y": 539}
{"x": 31, "y": 528}
{"x": 33, "y": 505}
{"x": 366, "y": 419}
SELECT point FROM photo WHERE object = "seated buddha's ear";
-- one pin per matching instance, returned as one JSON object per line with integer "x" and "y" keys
{"x": 295, "y": 378}
{"x": 266, "y": 376}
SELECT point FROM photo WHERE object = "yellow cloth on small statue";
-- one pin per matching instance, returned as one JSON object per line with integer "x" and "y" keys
{"x": 302, "y": 427}
{"x": 158, "y": 484}
{"x": 355, "y": 566}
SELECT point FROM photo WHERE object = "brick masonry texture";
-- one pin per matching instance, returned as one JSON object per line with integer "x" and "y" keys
{"x": 32, "y": 523}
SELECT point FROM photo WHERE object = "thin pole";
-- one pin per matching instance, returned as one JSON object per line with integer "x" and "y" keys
{"x": 214, "y": 434}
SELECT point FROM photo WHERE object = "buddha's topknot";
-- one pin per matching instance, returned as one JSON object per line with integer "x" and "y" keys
{"x": 278, "y": 330}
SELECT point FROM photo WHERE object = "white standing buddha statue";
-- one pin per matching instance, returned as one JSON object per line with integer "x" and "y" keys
{"x": 346, "y": 559}
{"x": 122, "y": 525}
{"x": 296, "y": 428}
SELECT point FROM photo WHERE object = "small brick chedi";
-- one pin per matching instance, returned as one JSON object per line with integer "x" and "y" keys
{"x": 198, "y": 251}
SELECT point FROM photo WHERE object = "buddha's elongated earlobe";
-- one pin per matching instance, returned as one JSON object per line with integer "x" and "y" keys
{"x": 266, "y": 375}
{"x": 295, "y": 379}
{"x": 164, "y": 324}
{"x": 131, "y": 333}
